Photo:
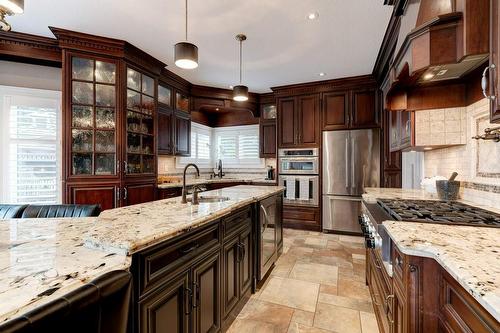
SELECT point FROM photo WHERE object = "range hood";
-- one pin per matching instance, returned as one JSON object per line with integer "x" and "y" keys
{"x": 441, "y": 40}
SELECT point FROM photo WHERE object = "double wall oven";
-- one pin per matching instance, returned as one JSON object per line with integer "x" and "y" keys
{"x": 299, "y": 174}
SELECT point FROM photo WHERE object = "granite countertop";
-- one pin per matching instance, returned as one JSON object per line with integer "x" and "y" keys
{"x": 202, "y": 181}
{"x": 43, "y": 259}
{"x": 130, "y": 229}
{"x": 470, "y": 254}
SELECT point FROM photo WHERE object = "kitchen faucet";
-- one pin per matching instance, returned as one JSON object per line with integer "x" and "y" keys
{"x": 184, "y": 190}
{"x": 219, "y": 173}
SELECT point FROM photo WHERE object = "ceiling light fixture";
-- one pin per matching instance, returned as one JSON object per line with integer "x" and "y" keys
{"x": 313, "y": 15}
{"x": 185, "y": 53}
{"x": 321, "y": 74}
{"x": 9, "y": 7}
{"x": 428, "y": 76}
{"x": 240, "y": 92}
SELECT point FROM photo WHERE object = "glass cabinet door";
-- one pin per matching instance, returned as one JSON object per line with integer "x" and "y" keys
{"x": 141, "y": 108}
{"x": 269, "y": 111}
{"x": 93, "y": 117}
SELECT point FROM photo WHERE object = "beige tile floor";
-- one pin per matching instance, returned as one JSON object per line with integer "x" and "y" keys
{"x": 317, "y": 286}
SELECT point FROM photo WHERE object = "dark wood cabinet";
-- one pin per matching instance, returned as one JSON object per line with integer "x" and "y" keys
{"x": 206, "y": 294}
{"x": 296, "y": 217}
{"x": 105, "y": 194}
{"x": 267, "y": 133}
{"x": 335, "y": 111}
{"x": 167, "y": 193}
{"x": 298, "y": 121}
{"x": 401, "y": 130}
{"x": 364, "y": 110}
{"x": 182, "y": 134}
{"x": 136, "y": 193}
{"x": 350, "y": 109}
{"x": 287, "y": 122}
{"x": 494, "y": 77}
{"x": 230, "y": 290}
{"x": 165, "y": 135}
{"x": 167, "y": 309}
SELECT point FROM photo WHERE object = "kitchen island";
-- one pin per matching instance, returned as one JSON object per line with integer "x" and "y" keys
{"x": 163, "y": 239}
{"x": 432, "y": 277}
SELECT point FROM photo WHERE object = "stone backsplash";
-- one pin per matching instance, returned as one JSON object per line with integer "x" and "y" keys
{"x": 477, "y": 161}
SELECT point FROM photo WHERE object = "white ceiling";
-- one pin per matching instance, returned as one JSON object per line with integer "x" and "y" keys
{"x": 283, "y": 46}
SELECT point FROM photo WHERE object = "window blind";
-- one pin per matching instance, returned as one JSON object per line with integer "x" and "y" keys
{"x": 238, "y": 146}
{"x": 31, "y": 144}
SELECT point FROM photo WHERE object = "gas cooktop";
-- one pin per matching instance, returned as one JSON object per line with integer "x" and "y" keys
{"x": 445, "y": 212}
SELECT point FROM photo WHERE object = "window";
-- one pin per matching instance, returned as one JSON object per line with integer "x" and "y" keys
{"x": 238, "y": 146}
{"x": 30, "y": 141}
{"x": 201, "y": 143}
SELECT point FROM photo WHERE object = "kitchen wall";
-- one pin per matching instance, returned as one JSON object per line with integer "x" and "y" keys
{"x": 477, "y": 162}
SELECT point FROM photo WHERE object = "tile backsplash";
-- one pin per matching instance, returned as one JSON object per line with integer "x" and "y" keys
{"x": 477, "y": 161}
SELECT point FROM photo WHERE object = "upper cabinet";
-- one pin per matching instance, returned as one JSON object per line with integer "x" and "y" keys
{"x": 350, "y": 109}
{"x": 494, "y": 73}
{"x": 267, "y": 130}
{"x": 298, "y": 121}
{"x": 92, "y": 113}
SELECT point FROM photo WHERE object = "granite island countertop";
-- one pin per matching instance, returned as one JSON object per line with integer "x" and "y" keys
{"x": 129, "y": 229}
{"x": 44, "y": 259}
{"x": 471, "y": 255}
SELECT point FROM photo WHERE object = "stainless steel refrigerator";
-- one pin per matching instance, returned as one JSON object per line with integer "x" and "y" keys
{"x": 351, "y": 162}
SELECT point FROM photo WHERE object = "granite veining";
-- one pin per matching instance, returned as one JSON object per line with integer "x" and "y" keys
{"x": 470, "y": 255}
{"x": 44, "y": 259}
{"x": 130, "y": 229}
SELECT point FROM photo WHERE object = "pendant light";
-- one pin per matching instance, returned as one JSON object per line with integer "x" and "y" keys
{"x": 240, "y": 92}
{"x": 185, "y": 53}
{"x": 9, "y": 7}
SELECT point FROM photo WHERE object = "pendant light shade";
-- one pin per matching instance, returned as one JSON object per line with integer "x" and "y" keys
{"x": 185, "y": 53}
{"x": 240, "y": 92}
{"x": 9, "y": 7}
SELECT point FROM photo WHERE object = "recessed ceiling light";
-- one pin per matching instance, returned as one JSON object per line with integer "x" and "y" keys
{"x": 231, "y": 87}
{"x": 321, "y": 74}
{"x": 313, "y": 15}
{"x": 428, "y": 148}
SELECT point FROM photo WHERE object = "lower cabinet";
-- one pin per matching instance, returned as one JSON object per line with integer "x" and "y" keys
{"x": 199, "y": 281}
{"x": 307, "y": 218}
{"x": 138, "y": 193}
{"x": 105, "y": 194}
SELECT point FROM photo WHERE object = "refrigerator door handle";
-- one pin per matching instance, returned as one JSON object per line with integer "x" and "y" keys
{"x": 353, "y": 178}
{"x": 347, "y": 162}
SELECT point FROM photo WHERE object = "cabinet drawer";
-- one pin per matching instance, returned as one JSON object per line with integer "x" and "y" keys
{"x": 385, "y": 288}
{"x": 302, "y": 217}
{"x": 398, "y": 262}
{"x": 237, "y": 220}
{"x": 377, "y": 293}
{"x": 460, "y": 312}
{"x": 161, "y": 261}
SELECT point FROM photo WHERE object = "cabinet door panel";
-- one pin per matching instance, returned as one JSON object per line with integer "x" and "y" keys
{"x": 394, "y": 140}
{"x": 495, "y": 59}
{"x": 230, "y": 276}
{"x": 165, "y": 138}
{"x": 268, "y": 138}
{"x": 245, "y": 261}
{"x": 309, "y": 120}
{"x": 335, "y": 110}
{"x": 182, "y": 134}
{"x": 166, "y": 310}
{"x": 206, "y": 277}
{"x": 287, "y": 122}
{"x": 139, "y": 193}
{"x": 91, "y": 194}
{"x": 364, "y": 109}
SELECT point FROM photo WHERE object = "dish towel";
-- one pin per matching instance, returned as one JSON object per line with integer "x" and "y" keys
{"x": 304, "y": 189}
{"x": 290, "y": 188}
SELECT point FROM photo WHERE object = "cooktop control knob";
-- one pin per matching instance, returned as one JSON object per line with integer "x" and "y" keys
{"x": 370, "y": 242}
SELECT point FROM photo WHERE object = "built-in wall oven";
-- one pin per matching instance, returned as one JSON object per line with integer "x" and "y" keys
{"x": 299, "y": 174}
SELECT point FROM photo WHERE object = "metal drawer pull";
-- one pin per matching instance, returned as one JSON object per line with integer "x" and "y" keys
{"x": 484, "y": 82}
{"x": 190, "y": 249}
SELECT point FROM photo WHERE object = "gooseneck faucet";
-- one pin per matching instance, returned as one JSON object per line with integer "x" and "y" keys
{"x": 219, "y": 169}
{"x": 184, "y": 200}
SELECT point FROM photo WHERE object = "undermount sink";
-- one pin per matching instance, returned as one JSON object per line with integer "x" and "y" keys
{"x": 211, "y": 198}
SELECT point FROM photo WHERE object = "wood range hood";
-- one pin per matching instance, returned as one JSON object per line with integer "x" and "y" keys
{"x": 440, "y": 45}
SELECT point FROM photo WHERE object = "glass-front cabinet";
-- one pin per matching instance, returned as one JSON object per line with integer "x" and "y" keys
{"x": 140, "y": 110}
{"x": 93, "y": 117}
